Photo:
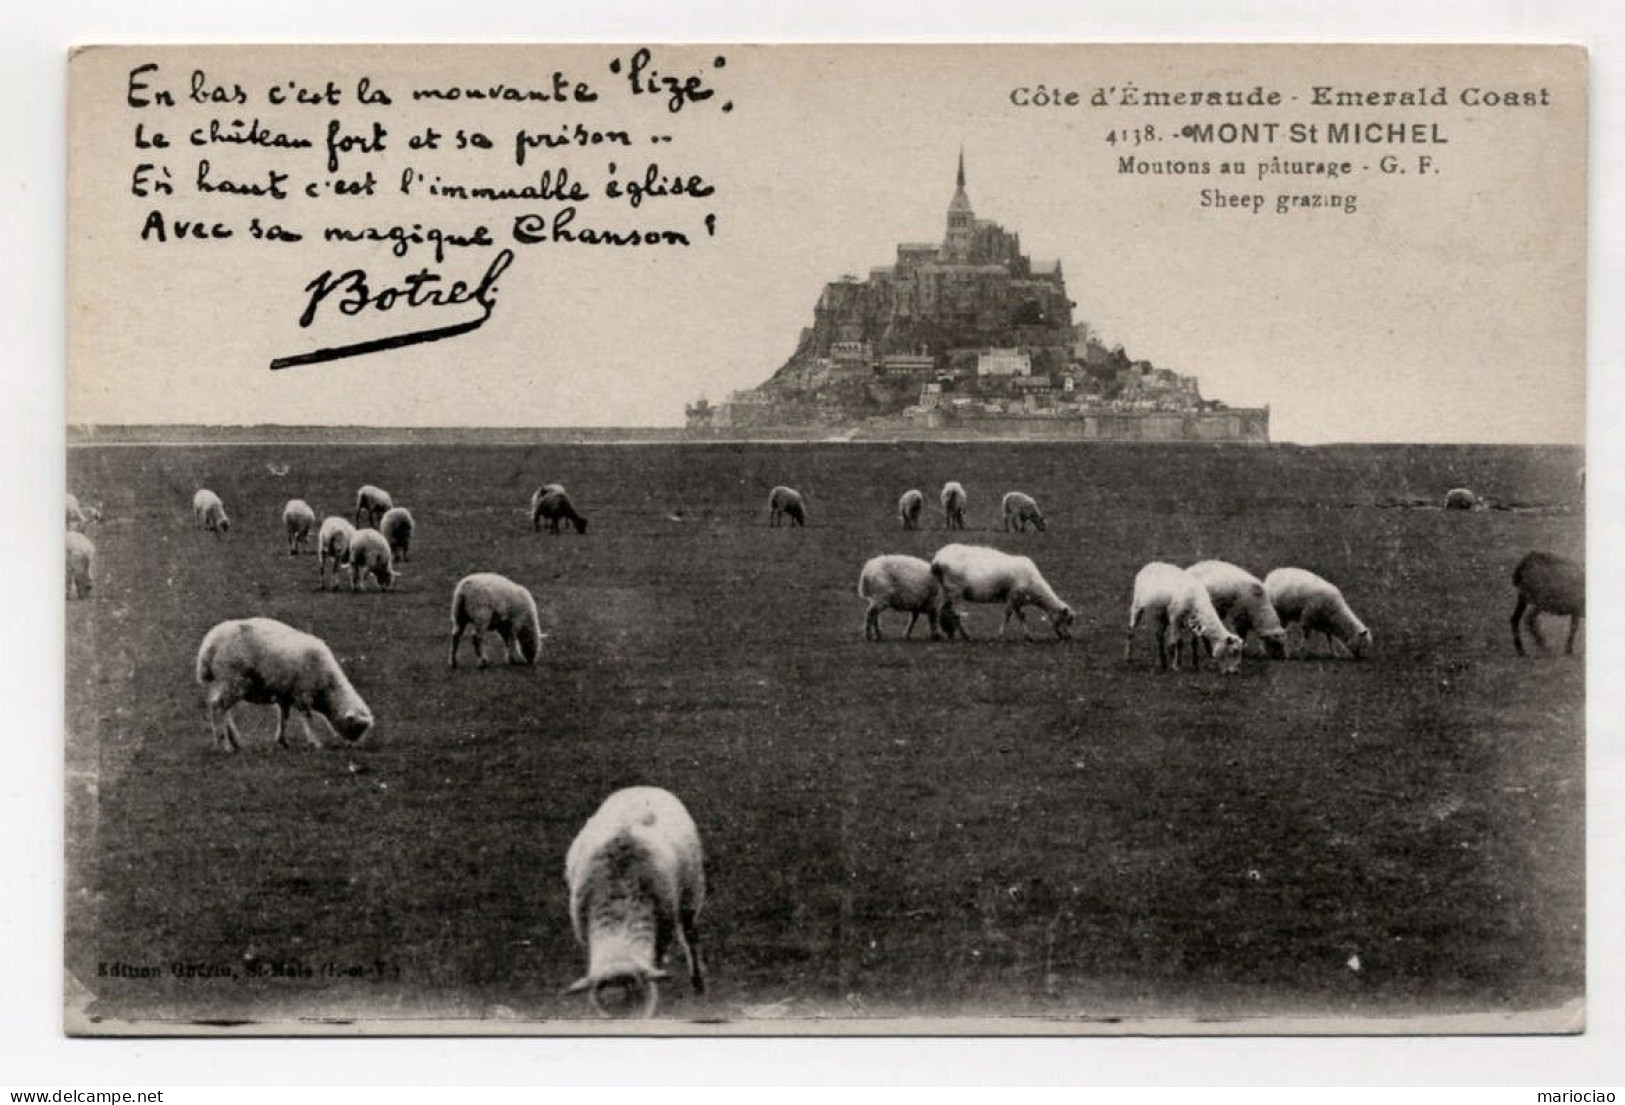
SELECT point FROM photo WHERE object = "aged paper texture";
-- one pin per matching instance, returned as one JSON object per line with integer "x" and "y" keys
{"x": 559, "y": 435}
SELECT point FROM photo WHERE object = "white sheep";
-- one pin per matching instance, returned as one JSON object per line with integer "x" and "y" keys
{"x": 1304, "y": 599}
{"x": 907, "y": 584}
{"x": 1242, "y": 603}
{"x": 552, "y": 504}
{"x": 371, "y": 504}
{"x": 333, "y": 544}
{"x": 486, "y": 601}
{"x": 81, "y": 565}
{"x": 81, "y": 516}
{"x": 1460, "y": 498}
{"x": 370, "y": 555}
{"x": 265, "y": 662}
{"x": 397, "y": 526}
{"x": 909, "y": 508}
{"x": 636, "y": 874}
{"x": 786, "y": 501}
{"x": 209, "y": 513}
{"x": 1020, "y": 510}
{"x": 954, "y": 500}
{"x": 298, "y": 520}
{"x": 976, "y": 573}
{"x": 1180, "y": 610}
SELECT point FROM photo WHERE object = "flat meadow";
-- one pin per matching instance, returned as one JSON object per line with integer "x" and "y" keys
{"x": 904, "y": 828}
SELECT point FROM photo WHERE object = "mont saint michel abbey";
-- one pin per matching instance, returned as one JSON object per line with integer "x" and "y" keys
{"x": 968, "y": 337}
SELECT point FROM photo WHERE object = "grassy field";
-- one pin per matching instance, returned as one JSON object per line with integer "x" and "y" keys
{"x": 1030, "y": 829}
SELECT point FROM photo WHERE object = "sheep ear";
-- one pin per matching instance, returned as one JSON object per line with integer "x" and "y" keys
{"x": 580, "y": 984}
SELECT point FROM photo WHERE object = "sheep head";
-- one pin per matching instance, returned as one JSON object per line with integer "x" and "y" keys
{"x": 1061, "y": 620}
{"x": 624, "y": 992}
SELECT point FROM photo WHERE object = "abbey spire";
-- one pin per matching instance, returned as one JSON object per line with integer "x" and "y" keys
{"x": 961, "y": 220}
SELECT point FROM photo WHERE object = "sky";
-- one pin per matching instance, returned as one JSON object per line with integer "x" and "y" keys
{"x": 1448, "y": 307}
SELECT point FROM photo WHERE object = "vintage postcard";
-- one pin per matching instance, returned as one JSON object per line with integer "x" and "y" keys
{"x": 825, "y": 539}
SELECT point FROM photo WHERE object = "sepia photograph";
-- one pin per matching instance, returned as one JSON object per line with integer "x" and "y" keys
{"x": 825, "y": 540}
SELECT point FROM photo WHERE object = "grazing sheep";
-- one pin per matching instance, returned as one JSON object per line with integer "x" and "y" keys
{"x": 1548, "y": 584}
{"x": 906, "y": 583}
{"x": 976, "y": 573}
{"x": 553, "y": 505}
{"x": 266, "y": 662}
{"x": 81, "y": 563}
{"x": 371, "y": 504}
{"x": 81, "y": 516}
{"x": 333, "y": 544}
{"x": 298, "y": 519}
{"x": 1460, "y": 498}
{"x": 909, "y": 508}
{"x": 370, "y": 555}
{"x": 1020, "y": 510}
{"x": 209, "y": 513}
{"x": 397, "y": 527}
{"x": 1180, "y": 609}
{"x": 545, "y": 489}
{"x": 486, "y": 601}
{"x": 953, "y": 505}
{"x": 1239, "y": 597}
{"x": 1303, "y": 598}
{"x": 637, "y": 880}
{"x": 786, "y": 501}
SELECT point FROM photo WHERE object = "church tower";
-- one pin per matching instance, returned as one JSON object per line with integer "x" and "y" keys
{"x": 961, "y": 221}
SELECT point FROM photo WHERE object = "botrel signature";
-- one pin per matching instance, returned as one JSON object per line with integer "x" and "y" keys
{"x": 352, "y": 292}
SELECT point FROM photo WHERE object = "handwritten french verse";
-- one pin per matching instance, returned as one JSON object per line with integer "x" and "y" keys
{"x": 498, "y": 165}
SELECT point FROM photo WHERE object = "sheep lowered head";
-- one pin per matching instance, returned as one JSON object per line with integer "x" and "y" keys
{"x": 624, "y": 991}
{"x": 951, "y": 622}
{"x": 1360, "y": 644}
{"x": 529, "y": 639}
{"x": 354, "y": 725}
{"x": 347, "y": 713}
{"x": 1061, "y": 620}
{"x": 1227, "y": 654}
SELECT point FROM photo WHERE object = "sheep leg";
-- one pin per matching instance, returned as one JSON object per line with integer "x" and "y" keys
{"x": 1517, "y": 617}
{"x": 871, "y": 623}
{"x": 456, "y": 638}
{"x": 1128, "y": 638}
{"x": 225, "y": 736}
{"x": 1533, "y": 622}
{"x": 476, "y": 637}
{"x": 1162, "y": 642}
{"x": 914, "y": 616}
{"x": 1574, "y": 627}
{"x": 310, "y": 734}
{"x": 691, "y": 948}
{"x": 282, "y": 724}
{"x": 509, "y": 653}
